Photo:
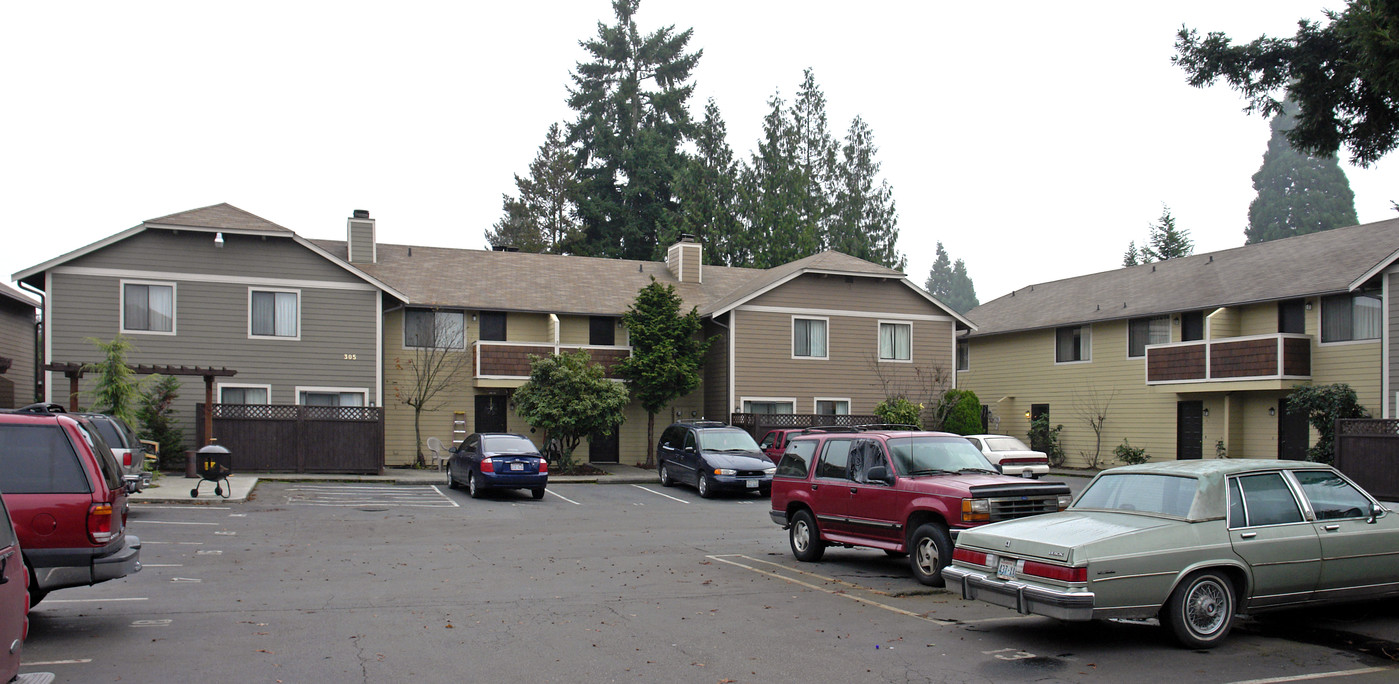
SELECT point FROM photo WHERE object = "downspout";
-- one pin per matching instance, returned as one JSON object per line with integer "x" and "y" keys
{"x": 39, "y": 359}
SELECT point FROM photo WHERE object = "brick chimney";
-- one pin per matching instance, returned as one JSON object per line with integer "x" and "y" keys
{"x": 685, "y": 260}
{"x": 360, "y": 238}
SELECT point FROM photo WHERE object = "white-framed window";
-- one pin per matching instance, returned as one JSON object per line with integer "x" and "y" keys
{"x": 809, "y": 337}
{"x": 769, "y": 405}
{"x": 147, "y": 307}
{"x": 245, "y": 394}
{"x": 1073, "y": 344}
{"x": 830, "y": 406}
{"x": 1350, "y": 317}
{"x": 895, "y": 341}
{"x": 1147, "y": 331}
{"x": 427, "y": 328}
{"x": 964, "y": 356}
{"x": 332, "y": 396}
{"x": 274, "y": 313}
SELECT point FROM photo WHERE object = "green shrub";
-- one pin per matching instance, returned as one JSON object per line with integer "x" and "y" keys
{"x": 1129, "y": 454}
{"x": 1045, "y": 438}
{"x": 1323, "y": 406}
{"x": 964, "y": 418}
{"x": 898, "y": 410}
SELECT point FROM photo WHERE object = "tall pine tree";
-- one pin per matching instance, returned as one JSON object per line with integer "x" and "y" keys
{"x": 543, "y": 218}
{"x": 864, "y": 223}
{"x": 814, "y": 152}
{"x": 632, "y": 120}
{"x": 769, "y": 198}
{"x": 1166, "y": 240}
{"x": 707, "y": 192}
{"x": 1298, "y": 193}
{"x": 949, "y": 282}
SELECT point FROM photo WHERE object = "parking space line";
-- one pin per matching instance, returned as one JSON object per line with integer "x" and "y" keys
{"x": 172, "y": 522}
{"x": 46, "y": 663}
{"x": 146, "y": 507}
{"x": 147, "y": 541}
{"x": 550, "y": 491}
{"x": 660, "y": 494}
{"x": 832, "y": 592}
{"x": 808, "y": 573}
{"x": 1314, "y": 675}
{"x": 162, "y": 565}
{"x": 443, "y": 494}
{"x": 106, "y": 600}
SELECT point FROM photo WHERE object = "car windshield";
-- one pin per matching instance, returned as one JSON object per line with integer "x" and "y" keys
{"x": 726, "y": 440}
{"x": 1005, "y": 444}
{"x": 507, "y": 444}
{"x": 1141, "y": 492}
{"x": 934, "y": 455}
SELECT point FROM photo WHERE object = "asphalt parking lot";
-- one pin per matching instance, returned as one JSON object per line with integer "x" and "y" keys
{"x": 321, "y": 582}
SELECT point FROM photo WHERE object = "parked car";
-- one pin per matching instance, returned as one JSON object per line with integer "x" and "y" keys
{"x": 66, "y": 498}
{"x": 497, "y": 460}
{"x": 1190, "y": 542}
{"x": 14, "y": 597}
{"x": 128, "y": 449}
{"x": 900, "y": 490}
{"x": 1010, "y": 455}
{"x": 713, "y": 457}
{"x": 774, "y": 442}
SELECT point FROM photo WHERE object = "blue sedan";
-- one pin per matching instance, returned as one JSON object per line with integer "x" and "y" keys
{"x": 497, "y": 461}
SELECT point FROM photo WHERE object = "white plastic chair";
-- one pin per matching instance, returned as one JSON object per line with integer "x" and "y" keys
{"x": 439, "y": 453}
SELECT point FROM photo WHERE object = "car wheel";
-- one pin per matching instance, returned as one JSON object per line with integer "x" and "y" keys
{"x": 805, "y": 538}
{"x": 706, "y": 490}
{"x": 35, "y": 593}
{"x": 665, "y": 475}
{"x": 471, "y": 487}
{"x": 451, "y": 482}
{"x": 1201, "y": 610}
{"x": 537, "y": 493}
{"x": 929, "y": 551}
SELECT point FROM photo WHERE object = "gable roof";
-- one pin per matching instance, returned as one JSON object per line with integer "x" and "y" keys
{"x": 217, "y": 218}
{"x": 21, "y": 298}
{"x": 1329, "y": 262}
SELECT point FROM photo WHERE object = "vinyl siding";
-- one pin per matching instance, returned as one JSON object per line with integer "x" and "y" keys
{"x": 1392, "y": 334}
{"x": 17, "y": 344}
{"x": 337, "y": 327}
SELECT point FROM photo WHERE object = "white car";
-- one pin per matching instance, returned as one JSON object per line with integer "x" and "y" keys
{"x": 1011, "y": 456}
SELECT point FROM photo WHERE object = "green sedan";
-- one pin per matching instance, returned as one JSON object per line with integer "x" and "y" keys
{"x": 1190, "y": 542}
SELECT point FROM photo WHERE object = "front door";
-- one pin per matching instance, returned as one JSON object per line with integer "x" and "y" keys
{"x": 603, "y": 448}
{"x": 1293, "y": 434}
{"x": 1190, "y": 429}
{"x": 490, "y": 413}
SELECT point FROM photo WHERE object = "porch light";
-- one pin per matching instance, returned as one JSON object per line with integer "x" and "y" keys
{"x": 1272, "y": 411}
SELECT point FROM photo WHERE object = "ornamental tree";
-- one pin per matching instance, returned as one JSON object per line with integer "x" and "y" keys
{"x": 667, "y": 353}
{"x": 569, "y": 397}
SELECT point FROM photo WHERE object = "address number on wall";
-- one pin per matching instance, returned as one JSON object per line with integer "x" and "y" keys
{"x": 349, "y": 357}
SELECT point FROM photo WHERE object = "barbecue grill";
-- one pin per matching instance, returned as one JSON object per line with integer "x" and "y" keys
{"x": 214, "y": 464}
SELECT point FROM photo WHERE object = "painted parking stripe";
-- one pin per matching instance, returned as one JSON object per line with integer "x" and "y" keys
{"x": 833, "y": 592}
{"x": 550, "y": 491}
{"x": 1315, "y": 675}
{"x": 172, "y": 522}
{"x": 46, "y": 663}
{"x": 161, "y": 565}
{"x": 151, "y": 507}
{"x": 99, "y": 600}
{"x": 147, "y": 541}
{"x": 660, "y": 494}
{"x": 799, "y": 571}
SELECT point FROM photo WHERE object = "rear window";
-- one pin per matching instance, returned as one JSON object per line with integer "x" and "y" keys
{"x": 1005, "y": 444}
{"x": 507, "y": 444}
{"x": 1141, "y": 492}
{"x": 797, "y": 459}
{"x": 106, "y": 460}
{"x": 38, "y": 459}
{"x": 108, "y": 431}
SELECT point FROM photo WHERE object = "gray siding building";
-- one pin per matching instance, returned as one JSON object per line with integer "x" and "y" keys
{"x": 17, "y": 348}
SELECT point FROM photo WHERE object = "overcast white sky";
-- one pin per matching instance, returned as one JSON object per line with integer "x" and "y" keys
{"x": 1033, "y": 139}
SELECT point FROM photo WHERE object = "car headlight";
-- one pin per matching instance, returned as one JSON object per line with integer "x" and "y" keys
{"x": 725, "y": 471}
{"x": 769, "y": 471}
{"x": 976, "y": 510}
{"x": 1065, "y": 500}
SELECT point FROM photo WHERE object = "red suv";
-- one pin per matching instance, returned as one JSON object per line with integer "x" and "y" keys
{"x": 63, "y": 487}
{"x": 893, "y": 488}
{"x": 775, "y": 441}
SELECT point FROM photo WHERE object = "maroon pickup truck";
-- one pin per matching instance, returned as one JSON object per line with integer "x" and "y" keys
{"x": 900, "y": 490}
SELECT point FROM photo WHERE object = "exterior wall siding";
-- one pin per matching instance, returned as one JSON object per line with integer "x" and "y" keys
{"x": 1392, "y": 334}
{"x": 17, "y": 344}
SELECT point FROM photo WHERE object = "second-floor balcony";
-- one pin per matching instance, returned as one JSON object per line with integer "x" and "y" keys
{"x": 510, "y": 360}
{"x": 1281, "y": 356}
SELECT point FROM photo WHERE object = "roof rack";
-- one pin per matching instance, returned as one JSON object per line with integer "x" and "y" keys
{"x": 887, "y": 426}
{"x": 828, "y": 428}
{"x": 702, "y": 422}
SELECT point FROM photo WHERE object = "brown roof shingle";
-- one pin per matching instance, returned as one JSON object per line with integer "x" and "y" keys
{"x": 222, "y": 216}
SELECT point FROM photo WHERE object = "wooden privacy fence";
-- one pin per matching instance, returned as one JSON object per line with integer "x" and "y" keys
{"x": 758, "y": 424}
{"x": 291, "y": 438}
{"x": 1367, "y": 451}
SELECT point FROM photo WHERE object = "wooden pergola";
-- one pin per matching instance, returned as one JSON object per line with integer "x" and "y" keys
{"x": 74, "y": 371}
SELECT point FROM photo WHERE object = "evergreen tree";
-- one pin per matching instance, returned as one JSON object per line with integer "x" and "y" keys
{"x": 1132, "y": 257}
{"x": 632, "y": 119}
{"x": 814, "y": 153}
{"x": 1167, "y": 241}
{"x": 949, "y": 282}
{"x": 1298, "y": 193}
{"x": 543, "y": 218}
{"x": 707, "y": 192}
{"x": 769, "y": 196}
{"x": 865, "y": 223}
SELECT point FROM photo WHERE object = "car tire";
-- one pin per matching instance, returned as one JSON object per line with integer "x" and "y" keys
{"x": 537, "y": 493}
{"x": 471, "y": 487}
{"x": 451, "y": 482}
{"x": 805, "y": 538}
{"x": 35, "y": 593}
{"x": 666, "y": 480}
{"x": 1200, "y": 611}
{"x": 705, "y": 487}
{"x": 929, "y": 551}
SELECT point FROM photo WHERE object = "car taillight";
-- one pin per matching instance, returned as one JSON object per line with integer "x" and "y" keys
{"x": 543, "y": 466}
{"x": 969, "y": 556}
{"x": 99, "y": 523}
{"x": 126, "y": 459}
{"x": 976, "y": 510}
{"x": 1056, "y": 572}
{"x": 487, "y": 466}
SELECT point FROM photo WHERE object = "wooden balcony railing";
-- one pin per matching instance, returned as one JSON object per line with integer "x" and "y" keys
{"x": 510, "y": 360}
{"x": 1282, "y": 356}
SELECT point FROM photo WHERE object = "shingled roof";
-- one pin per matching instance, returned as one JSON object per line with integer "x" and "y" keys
{"x": 222, "y": 216}
{"x": 1322, "y": 263}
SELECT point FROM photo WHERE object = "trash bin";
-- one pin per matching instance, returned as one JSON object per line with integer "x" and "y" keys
{"x": 213, "y": 463}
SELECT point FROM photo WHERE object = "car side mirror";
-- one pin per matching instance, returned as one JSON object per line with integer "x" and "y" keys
{"x": 1376, "y": 512}
{"x": 879, "y": 473}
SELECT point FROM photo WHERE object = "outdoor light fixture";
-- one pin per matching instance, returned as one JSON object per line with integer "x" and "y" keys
{"x": 218, "y": 239}
{"x": 1272, "y": 411}
{"x": 1027, "y": 414}
{"x": 1206, "y": 413}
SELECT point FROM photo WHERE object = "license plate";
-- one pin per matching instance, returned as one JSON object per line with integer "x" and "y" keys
{"x": 517, "y": 466}
{"x": 751, "y": 484}
{"x": 1005, "y": 569}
